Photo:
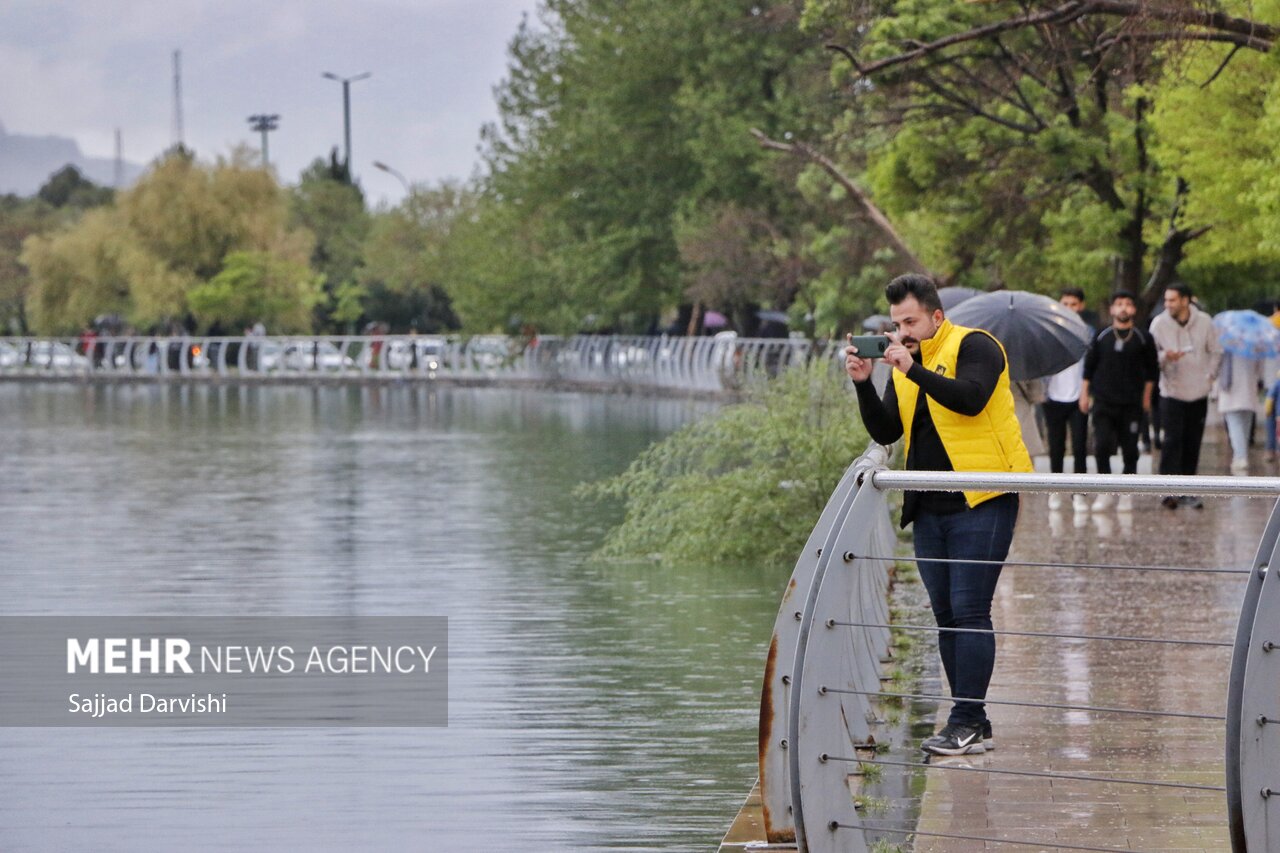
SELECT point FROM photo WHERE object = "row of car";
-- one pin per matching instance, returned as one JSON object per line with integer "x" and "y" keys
{"x": 417, "y": 353}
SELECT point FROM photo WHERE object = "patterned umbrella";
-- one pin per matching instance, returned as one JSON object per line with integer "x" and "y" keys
{"x": 1247, "y": 334}
{"x": 1040, "y": 336}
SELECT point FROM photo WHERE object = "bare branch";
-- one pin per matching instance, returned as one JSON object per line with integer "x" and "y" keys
{"x": 1184, "y": 35}
{"x": 877, "y": 217}
{"x": 973, "y": 108}
{"x": 1221, "y": 68}
{"x": 1219, "y": 27}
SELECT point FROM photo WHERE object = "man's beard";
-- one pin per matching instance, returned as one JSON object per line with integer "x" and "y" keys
{"x": 1122, "y": 318}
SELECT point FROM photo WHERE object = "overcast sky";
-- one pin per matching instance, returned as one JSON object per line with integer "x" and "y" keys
{"x": 82, "y": 68}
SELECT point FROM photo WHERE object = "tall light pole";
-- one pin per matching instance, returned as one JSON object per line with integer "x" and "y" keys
{"x": 346, "y": 108}
{"x": 404, "y": 182}
{"x": 264, "y": 124}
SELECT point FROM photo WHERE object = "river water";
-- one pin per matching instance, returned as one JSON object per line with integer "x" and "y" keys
{"x": 592, "y": 706}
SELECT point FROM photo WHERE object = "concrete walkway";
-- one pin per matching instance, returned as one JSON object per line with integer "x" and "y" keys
{"x": 1168, "y": 678}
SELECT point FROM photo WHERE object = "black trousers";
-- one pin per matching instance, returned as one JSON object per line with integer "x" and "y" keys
{"x": 1116, "y": 425}
{"x": 1057, "y": 418}
{"x": 1183, "y": 424}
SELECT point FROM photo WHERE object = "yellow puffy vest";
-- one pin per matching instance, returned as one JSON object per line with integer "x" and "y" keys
{"x": 988, "y": 441}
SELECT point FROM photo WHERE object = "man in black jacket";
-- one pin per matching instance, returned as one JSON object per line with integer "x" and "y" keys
{"x": 1120, "y": 371}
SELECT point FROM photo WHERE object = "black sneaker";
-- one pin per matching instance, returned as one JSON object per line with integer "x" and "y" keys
{"x": 1191, "y": 501}
{"x": 1169, "y": 502}
{"x": 988, "y": 739}
{"x": 955, "y": 740}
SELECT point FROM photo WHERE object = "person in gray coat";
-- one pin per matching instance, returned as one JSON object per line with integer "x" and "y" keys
{"x": 1189, "y": 355}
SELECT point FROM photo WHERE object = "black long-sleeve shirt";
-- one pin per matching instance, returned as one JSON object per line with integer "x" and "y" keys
{"x": 1117, "y": 366}
{"x": 978, "y": 368}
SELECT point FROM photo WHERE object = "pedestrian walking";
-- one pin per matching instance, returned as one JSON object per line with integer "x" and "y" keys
{"x": 1189, "y": 356}
{"x": 1238, "y": 381}
{"x": 949, "y": 399}
{"x": 1120, "y": 371}
{"x": 1062, "y": 412}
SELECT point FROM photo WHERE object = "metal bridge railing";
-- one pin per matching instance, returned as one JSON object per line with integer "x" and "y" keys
{"x": 823, "y": 674}
{"x": 692, "y": 363}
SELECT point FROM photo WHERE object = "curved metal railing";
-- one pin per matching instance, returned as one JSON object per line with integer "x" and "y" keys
{"x": 823, "y": 677}
{"x": 698, "y": 364}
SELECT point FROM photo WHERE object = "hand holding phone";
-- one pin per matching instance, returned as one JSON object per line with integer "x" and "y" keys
{"x": 869, "y": 346}
{"x": 859, "y": 352}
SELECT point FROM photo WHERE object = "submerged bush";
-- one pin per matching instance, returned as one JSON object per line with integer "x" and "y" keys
{"x": 745, "y": 485}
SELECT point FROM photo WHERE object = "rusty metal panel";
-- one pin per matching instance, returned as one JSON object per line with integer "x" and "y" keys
{"x": 1253, "y": 706}
{"x": 775, "y": 789}
{"x": 823, "y": 724}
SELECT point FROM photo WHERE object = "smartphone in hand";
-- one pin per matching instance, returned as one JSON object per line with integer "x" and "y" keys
{"x": 869, "y": 346}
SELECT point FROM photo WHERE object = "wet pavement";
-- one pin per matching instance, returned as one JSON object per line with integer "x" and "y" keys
{"x": 1166, "y": 678}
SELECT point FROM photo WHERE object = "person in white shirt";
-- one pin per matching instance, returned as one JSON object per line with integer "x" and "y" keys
{"x": 1061, "y": 409}
{"x": 1189, "y": 354}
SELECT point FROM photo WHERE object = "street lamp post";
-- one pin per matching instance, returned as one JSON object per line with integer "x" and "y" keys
{"x": 378, "y": 164}
{"x": 264, "y": 124}
{"x": 346, "y": 108}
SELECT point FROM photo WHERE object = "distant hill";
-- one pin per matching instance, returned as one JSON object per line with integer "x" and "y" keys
{"x": 26, "y": 162}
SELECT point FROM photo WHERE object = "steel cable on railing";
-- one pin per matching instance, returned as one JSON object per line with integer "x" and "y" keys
{"x": 831, "y": 623}
{"x": 1041, "y": 844}
{"x": 1039, "y": 774}
{"x": 1221, "y": 570}
{"x": 1096, "y": 709}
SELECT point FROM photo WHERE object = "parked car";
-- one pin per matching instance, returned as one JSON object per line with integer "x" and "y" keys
{"x": 53, "y": 354}
{"x": 314, "y": 355}
{"x": 416, "y": 353}
{"x": 489, "y": 352}
{"x": 8, "y": 355}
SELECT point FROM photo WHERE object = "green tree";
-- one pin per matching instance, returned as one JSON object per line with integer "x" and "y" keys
{"x": 407, "y": 268}
{"x": 1216, "y": 122}
{"x": 745, "y": 485}
{"x": 624, "y": 135}
{"x": 330, "y": 206}
{"x": 68, "y": 188}
{"x": 279, "y": 290}
{"x": 171, "y": 232}
{"x": 1014, "y": 144}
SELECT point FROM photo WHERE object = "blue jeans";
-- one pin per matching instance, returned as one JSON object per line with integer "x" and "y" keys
{"x": 1238, "y": 433}
{"x": 961, "y": 593}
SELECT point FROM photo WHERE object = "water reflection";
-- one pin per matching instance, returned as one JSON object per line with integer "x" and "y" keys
{"x": 592, "y": 707}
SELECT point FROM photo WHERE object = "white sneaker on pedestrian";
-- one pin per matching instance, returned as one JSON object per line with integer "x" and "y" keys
{"x": 1055, "y": 501}
{"x": 1079, "y": 503}
{"x": 1103, "y": 501}
{"x": 1125, "y": 504}
{"x": 1239, "y": 466}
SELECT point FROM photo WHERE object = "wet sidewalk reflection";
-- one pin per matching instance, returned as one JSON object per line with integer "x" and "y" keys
{"x": 1172, "y": 678}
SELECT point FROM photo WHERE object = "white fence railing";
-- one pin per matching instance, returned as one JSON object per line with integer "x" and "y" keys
{"x": 715, "y": 363}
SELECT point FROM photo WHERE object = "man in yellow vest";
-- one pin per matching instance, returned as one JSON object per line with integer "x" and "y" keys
{"x": 949, "y": 400}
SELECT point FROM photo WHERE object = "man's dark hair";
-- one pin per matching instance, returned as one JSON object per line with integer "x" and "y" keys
{"x": 1180, "y": 289}
{"x": 1071, "y": 291}
{"x": 1124, "y": 294}
{"x": 914, "y": 284}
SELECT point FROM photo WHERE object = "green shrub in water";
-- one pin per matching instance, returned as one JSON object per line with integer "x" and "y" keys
{"x": 745, "y": 485}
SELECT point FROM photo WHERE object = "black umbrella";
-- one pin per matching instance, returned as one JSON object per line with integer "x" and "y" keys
{"x": 953, "y": 296}
{"x": 1040, "y": 336}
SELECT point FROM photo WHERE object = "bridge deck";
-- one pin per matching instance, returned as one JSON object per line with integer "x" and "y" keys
{"x": 1090, "y": 814}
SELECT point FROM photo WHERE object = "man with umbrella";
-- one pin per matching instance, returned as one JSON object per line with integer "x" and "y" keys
{"x": 1189, "y": 355}
{"x": 950, "y": 401}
